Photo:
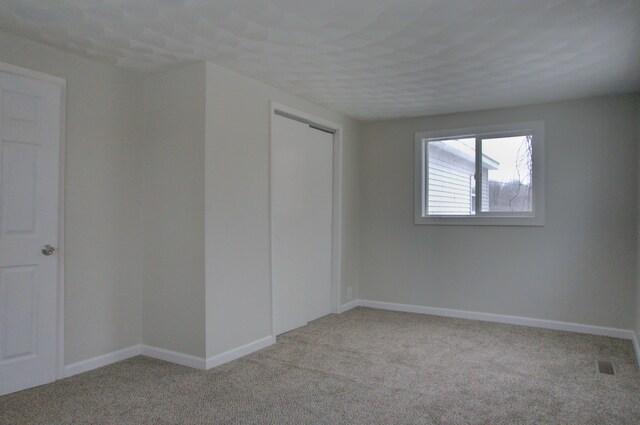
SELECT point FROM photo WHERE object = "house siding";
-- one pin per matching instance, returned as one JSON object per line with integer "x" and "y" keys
{"x": 449, "y": 186}
{"x": 485, "y": 189}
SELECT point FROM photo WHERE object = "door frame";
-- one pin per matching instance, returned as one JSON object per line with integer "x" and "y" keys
{"x": 62, "y": 85}
{"x": 336, "y": 214}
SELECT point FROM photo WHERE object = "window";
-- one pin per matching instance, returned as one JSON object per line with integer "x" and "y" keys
{"x": 481, "y": 176}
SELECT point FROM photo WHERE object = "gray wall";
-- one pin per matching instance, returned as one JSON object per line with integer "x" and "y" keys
{"x": 207, "y": 277}
{"x": 237, "y": 206}
{"x": 173, "y": 205}
{"x": 103, "y": 264}
{"x": 637, "y": 325}
{"x": 580, "y": 267}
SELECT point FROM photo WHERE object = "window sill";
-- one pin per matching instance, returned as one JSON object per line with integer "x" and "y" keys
{"x": 480, "y": 221}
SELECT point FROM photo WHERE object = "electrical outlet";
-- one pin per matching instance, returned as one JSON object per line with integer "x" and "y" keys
{"x": 349, "y": 292}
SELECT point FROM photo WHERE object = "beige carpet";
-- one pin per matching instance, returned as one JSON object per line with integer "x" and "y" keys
{"x": 365, "y": 366}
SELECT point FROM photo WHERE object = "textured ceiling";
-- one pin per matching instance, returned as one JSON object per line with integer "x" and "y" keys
{"x": 369, "y": 59}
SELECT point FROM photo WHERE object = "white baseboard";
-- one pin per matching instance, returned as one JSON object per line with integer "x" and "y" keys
{"x": 636, "y": 347}
{"x": 202, "y": 363}
{"x": 500, "y": 318}
{"x": 235, "y": 353}
{"x": 174, "y": 357}
{"x": 102, "y": 360}
{"x": 348, "y": 306}
{"x": 167, "y": 355}
{"x": 241, "y": 351}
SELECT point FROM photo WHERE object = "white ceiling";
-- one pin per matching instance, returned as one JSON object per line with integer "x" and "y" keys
{"x": 369, "y": 59}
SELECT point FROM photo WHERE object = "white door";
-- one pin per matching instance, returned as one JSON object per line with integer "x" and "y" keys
{"x": 301, "y": 222}
{"x": 29, "y": 163}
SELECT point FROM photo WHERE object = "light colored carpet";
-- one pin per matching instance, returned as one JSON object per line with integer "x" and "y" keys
{"x": 365, "y": 366}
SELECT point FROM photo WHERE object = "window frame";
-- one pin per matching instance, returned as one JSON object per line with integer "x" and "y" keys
{"x": 534, "y": 218}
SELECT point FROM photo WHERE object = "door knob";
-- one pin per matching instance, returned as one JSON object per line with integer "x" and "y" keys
{"x": 48, "y": 250}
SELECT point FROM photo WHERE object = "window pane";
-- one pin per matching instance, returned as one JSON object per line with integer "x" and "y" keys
{"x": 506, "y": 174}
{"x": 451, "y": 189}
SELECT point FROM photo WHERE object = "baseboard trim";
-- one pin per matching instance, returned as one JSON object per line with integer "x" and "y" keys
{"x": 243, "y": 350}
{"x": 168, "y": 356}
{"x": 500, "y": 318}
{"x": 235, "y": 353}
{"x": 213, "y": 361}
{"x": 174, "y": 357}
{"x": 348, "y": 306}
{"x": 636, "y": 347}
{"x": 102, "y": 360}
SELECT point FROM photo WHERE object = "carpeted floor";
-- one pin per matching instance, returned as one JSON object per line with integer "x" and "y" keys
{"x": 365, "y": 366}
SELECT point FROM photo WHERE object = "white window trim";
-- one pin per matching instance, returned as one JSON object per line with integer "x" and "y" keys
{"x": 536, "y": 218}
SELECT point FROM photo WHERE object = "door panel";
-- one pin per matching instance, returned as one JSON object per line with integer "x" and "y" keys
{"x": 29, "y": 164}
{"x": 301, "y": 214}
{"x": 17, "y": 291}
{"x": 319, "y": 168}
{"x": 18, "y": 188}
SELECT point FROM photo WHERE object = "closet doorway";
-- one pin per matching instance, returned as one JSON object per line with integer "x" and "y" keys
{"x": 303, "y": 219}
